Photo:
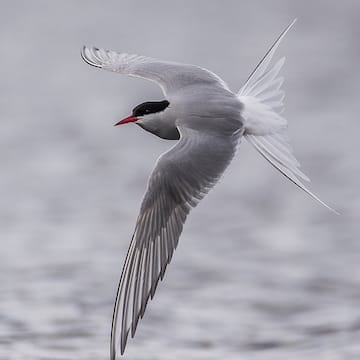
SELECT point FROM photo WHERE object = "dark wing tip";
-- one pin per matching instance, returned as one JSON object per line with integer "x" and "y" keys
{"x": 123, "y": 342}
{"x": 89, "y": 56}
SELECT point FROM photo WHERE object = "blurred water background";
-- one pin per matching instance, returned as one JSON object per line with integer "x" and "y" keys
{"x": 262, "y": 272}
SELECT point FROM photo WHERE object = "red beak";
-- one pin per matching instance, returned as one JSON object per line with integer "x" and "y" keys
{"x": 127, "y": 120}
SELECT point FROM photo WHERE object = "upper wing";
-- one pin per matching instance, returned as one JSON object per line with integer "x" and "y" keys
{"x": 180, "y": 179}
{"x": 171, "y": 76}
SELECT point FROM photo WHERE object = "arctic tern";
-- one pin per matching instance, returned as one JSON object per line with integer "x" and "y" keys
{"x": 208, "y": 120}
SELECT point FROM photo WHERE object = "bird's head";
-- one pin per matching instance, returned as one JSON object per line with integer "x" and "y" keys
{"x": 149, "y": 110}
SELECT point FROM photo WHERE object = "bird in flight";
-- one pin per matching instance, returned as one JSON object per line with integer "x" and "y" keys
{"x": 208, "y": 120}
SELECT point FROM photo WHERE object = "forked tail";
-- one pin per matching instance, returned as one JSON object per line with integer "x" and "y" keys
{"x": 265, "y": 128}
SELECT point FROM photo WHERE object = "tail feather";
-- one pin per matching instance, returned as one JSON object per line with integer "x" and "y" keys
{"x": 262, "y": 100}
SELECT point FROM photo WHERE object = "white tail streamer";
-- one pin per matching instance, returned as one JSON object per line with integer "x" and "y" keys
{"x": 262, "y": 98}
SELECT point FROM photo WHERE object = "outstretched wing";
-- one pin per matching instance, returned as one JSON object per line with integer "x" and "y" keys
{"x": 171, "y": 76}
{"x": 180, "y": 179}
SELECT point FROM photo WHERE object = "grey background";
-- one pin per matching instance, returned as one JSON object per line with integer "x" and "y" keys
{"x": 261, "y": 272}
